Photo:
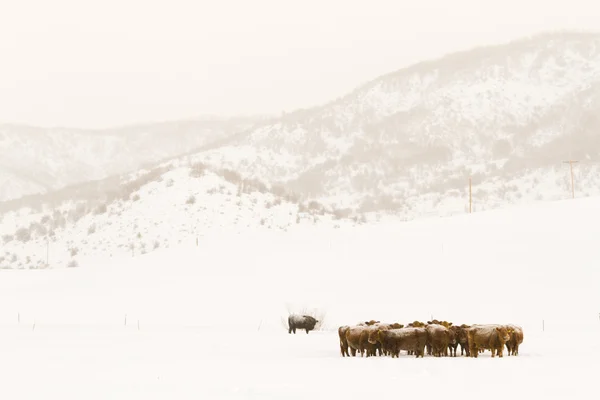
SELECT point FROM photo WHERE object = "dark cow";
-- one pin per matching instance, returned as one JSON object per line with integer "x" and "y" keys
{"x": 490, "y": 337}
{"x": 516, "y": 338}
{"x": 305, "y": 322}
{"x": 460, "y": 334}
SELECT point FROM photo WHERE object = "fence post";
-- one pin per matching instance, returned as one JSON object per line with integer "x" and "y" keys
{"x": 543, "y": 326}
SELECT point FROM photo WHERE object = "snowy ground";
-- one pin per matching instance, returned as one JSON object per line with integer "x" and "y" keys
{"x": 210, "y": 316}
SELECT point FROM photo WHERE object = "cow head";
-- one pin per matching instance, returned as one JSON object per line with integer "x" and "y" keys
{"x": 372, "y": 322}
{"x": 373, "y": 336}
{"x": 503, "y": 333}
{"x": 396, "y": 325}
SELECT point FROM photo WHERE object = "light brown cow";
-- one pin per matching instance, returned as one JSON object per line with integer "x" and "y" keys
{"x": 357, "y": 338}
{"x": 439, "y": 337}
{"x": 394, "y": 340}
{"x": 516, "y": 338}
{"x": 343, "y": 341}
{"x": 490, "y": 337}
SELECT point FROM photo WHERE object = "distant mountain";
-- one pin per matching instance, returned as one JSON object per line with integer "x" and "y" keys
{"x": 37, "y": 160}
{"x": 408, "y": 141}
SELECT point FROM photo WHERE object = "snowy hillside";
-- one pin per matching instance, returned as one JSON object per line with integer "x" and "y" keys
{"x": 36, "y": 160}
{"x": 407, "y": 142}
{"x": 146, "y": 211}
{"x": 205, "y": 322}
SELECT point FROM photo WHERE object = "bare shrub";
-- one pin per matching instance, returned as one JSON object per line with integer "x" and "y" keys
{"x": 231, "y": 176}
{"x": 38, "y": 228}
{"x": 341, "y": 214}
{"x": 101, "y": 209}
{"x": 92, "y": 229}
{"x": 191, "y": 200}
{"x": 73, "y": 251}
{"x": 77, "y": 213}
{"x": 73, "y": 264}
{"x": 23, "y": 235}
{"x": 198, "y": 170}
{"x": 135, "y": 197}
{"x": 7, "y": 238}
{"x": 156, "y": 244}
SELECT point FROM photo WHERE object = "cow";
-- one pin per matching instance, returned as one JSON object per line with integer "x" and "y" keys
{"x": 343, "y": 341}
{"x": 445, "y": 324}
{"x": 491, "y": 337}
{"x": 460, "y": 333}
{"x": 305, "y": 322}
{"x": 368, "y": 323}
{"x": 516, "y": 338}
{"x": 416, "y": 324}
{"x": 394, "y": 340}
{"x": 439, "y": 338}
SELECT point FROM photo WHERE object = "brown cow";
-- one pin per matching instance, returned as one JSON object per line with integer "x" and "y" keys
{"x": 343, "y": 341}
{"x": 516, "y": 338}
{"x": 368, "y": 323}
{"x": 491, "y": 337}
{"x": 394, "y": 340}
{"x": 445, "y": 324}
{"x": 439, "y": 337}
{"x": 357, "y": 338}
{"x": 417, "y": 324}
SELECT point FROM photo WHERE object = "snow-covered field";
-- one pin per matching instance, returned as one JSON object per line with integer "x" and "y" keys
{"x": 210, "y": 317}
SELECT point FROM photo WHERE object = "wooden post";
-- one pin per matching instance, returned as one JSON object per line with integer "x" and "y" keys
{"x": 125, "y": 319}
{"x": 19, "y": 318}
{"x": 47, "y": 252}
{"x": 543, "y": 326}
{"x": 470, "y": 196}
{"x": 571, "y": 162}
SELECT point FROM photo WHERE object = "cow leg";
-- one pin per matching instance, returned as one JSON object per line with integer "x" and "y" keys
{"x": 307, "y": 331}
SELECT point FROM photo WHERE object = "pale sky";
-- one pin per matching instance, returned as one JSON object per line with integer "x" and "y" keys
{"x": 95, "y": 64}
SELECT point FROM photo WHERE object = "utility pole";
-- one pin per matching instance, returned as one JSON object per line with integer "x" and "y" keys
{"x": 470, "y": 196}
{"x": 571, "y": 162}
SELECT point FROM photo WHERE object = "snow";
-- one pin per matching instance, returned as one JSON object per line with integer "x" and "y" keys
{"x": 210, "y": 317}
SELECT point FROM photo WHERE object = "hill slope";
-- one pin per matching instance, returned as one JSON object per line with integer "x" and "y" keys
{"x": 408, "y": 141}
{"x": 142, "y": 212}
{"x": 37, "y": 160}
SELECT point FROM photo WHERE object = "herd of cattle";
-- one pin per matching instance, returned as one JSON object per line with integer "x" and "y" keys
{"x": 438, "y": 338}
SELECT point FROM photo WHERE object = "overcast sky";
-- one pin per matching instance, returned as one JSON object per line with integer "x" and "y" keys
{"x": 94, "y": 64}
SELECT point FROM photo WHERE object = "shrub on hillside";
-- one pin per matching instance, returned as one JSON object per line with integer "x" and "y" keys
{"x": 191, "y": 200}
{"x": 73, "y": 264}
{"x": 198, "y": 170}
{"x": 92, "y": 229}
{"x": 7, "y": 238}
{"x": 101, "y": 209}
{"x": 231, "y": 176}
{"x": 23, "y": 235}
{"x": 77, "y": 213}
